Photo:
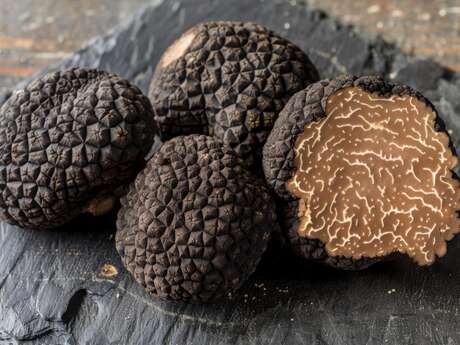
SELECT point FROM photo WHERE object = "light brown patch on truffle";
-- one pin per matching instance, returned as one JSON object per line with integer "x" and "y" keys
{"x": 100, "y": 205}
{"x": 178, "y": 48}
{"x": 374, "y": 177}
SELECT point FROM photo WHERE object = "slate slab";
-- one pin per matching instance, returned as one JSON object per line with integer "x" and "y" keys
{"x": 69, "y": 287}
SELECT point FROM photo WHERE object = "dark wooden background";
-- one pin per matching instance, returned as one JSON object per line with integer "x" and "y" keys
{"x": 34, "y": 33}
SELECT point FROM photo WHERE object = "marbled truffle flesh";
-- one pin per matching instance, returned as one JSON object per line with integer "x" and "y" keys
{"x": 369, "y": 169}
{"x": 195, "y": 222}
{"x": 228, "y": 80}
{"x": 68, "y": 140}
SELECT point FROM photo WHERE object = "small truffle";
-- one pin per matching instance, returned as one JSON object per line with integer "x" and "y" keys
{"x": 195, "y": 222}
{"x": 228, "y": 80}
{"x": 366, "y": 170}
{"x": 67, "y": 142}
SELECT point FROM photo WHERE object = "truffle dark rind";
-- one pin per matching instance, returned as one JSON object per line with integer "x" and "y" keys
{"x": 228, "y": 80}
{"x": 307, "y": 106}
{"x": 67, "y": 141}
{"x": 195, "y": 222}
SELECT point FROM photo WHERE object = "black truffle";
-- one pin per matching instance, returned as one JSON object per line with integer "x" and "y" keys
{"x": 365, "y": 169}
{"x": 67, "y": 142}
{"x": 195, "y": 222}
{"x": 228, "y": 80}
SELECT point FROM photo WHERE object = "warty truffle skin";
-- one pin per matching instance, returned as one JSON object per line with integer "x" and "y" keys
{"x": 308, "y": 107}
{"x": 67, "y": 141}
{"x": 228, "y": 80}
{"x": 195, "y": 222}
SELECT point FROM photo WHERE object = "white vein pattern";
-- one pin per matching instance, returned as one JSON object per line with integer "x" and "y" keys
{"x": 374, "y": 177}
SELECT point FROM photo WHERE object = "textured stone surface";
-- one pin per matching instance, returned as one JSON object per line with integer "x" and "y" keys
{"x": 53, "y": 289}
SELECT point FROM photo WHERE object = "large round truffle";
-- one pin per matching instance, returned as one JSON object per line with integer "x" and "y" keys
{"x": 195, "y": 222}
{"x": 228, "y": 80}
{"x": 366, "y": 169}
{"x": 67, "y": 141}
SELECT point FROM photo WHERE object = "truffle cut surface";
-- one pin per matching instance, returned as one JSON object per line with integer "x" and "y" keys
{"x": 374, "y": 177}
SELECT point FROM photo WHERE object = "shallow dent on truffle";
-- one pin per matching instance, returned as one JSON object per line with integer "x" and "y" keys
{"x": 375, "y": 177}
{"x": 178, "y": 48}
{"x": 100, "y": 205}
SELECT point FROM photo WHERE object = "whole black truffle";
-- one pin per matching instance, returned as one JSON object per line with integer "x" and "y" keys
{"x": 228, "y": 80}
{"x": 365, "y": 169}
{"x": 195, "y": 222}
{"x": 67, "y": 142}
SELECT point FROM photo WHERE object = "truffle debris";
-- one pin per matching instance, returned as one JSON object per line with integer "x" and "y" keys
{"x": 67, "y": 142}
{"x": 371, "y": 172}
{"x": 195, "y": 222}
{"x": 228, "y": 80}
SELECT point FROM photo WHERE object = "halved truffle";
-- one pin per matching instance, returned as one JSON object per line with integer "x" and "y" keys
{"x": 228, "y": 80}
{"x": 367, "y": 167}
{"x": 67, "y": 142}
{"x": 195, "y": 222}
